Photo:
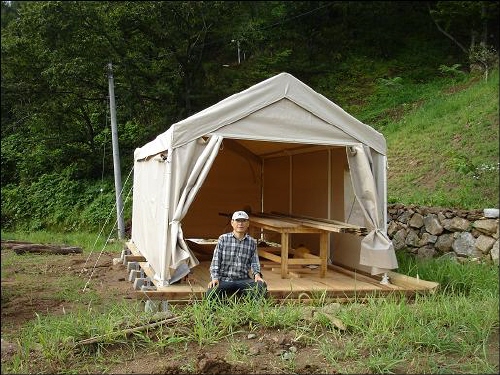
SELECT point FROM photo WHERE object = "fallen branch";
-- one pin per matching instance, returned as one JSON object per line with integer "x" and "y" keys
{"x": 46, "y": 249}
{"x": 9, "y": 244}
{"x": 127, "y": 331}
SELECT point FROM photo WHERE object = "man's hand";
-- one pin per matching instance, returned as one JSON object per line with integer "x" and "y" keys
{"x": 213, "y": 283}
{"x": 258, "y": 278}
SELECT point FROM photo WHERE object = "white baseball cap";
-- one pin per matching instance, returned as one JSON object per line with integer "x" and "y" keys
{"x": 240, "y": 215}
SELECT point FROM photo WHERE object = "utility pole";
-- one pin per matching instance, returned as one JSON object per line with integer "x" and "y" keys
{"x": 116, "y": 155}
{"x": 239, "y": 53}
{"x": 239, "y": 58}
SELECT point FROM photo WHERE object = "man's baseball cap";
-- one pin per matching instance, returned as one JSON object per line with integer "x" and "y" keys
{"x": 240, "y": 215}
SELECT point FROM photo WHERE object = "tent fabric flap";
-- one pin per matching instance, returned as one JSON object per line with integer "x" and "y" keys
{"x": 190, "y": 166}
{"x": 377, "y": 249}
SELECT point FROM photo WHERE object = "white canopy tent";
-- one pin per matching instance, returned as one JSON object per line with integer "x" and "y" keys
{"x": 277, "y": 146}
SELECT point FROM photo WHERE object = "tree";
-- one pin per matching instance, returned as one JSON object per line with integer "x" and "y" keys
{"x": 472, "y": 26}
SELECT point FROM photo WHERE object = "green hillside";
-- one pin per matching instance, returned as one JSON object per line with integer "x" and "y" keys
{"x": 442, "y": 141}
{"x": 387, "y": 63}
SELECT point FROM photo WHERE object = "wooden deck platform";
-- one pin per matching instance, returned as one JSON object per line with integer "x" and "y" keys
{"x": 339, "y": 283}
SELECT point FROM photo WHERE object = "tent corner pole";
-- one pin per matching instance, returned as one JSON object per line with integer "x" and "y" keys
{"x": 166, "y": 204}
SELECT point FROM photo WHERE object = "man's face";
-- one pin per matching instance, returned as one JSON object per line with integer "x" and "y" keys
{"x": 240, "y": 225}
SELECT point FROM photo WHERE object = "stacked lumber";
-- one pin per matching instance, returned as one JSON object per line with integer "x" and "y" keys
{"x": 319, "y": 223}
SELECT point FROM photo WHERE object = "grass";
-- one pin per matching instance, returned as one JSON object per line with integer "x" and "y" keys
{"x": 442, "y": 141}
{"x": 87, "y": 241}
{"x": 446, "y": 332}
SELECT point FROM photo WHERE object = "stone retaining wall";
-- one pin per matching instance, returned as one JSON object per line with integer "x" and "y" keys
{"x": 431, "y": 232}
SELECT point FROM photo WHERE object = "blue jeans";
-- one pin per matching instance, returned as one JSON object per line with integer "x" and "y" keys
{"x": 239, "y": 288}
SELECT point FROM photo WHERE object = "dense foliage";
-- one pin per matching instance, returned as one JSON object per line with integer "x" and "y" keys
{"x": 171, "y": 59}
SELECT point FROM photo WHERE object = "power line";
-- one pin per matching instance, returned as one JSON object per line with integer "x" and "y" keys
{"x": 221, "y": 40}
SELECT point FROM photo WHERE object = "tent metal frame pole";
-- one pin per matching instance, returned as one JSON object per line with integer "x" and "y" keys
{"x": 167, "y": 232}
{"x": 329, "y": 199}
{"x": 384, "y": 193}
{"x": 290, "y": 184}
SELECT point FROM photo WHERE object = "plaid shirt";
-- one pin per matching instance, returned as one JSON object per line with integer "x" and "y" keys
{"x": 233, "y": 258}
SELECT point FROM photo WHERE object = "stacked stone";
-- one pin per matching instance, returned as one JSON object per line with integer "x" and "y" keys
{"x": 430, "y": 232}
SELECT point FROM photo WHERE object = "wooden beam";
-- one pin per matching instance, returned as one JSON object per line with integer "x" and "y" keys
{"x": 317, "y": 223}
{"x": 134, "y": 258}
{"x": 284, "y": 254}
{"x": 304, "y": 261}
{"x": 267, "y": 255}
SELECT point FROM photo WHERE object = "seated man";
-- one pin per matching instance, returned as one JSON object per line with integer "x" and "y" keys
{"x": 234, "y": 255}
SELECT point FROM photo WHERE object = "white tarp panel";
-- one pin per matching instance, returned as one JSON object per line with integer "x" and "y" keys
{"x": 377, "y": 250}
{"x": 150, "y": 209}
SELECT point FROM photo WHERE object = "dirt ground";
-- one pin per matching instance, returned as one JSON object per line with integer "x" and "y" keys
{"x": 30, "y": 284}
{"x": 258, "y": 352}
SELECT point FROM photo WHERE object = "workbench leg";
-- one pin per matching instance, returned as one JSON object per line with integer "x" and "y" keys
{"x": 323, "y": 253}
{"x": 284, "y": 255}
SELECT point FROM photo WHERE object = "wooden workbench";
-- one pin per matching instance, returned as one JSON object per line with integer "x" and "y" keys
{"x": 285, "y": 227}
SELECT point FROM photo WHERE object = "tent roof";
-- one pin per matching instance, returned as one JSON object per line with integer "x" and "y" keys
{"x": 279, "y": 109}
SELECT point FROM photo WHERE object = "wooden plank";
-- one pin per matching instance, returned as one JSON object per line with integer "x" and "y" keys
{"x": 284, "y": 254}
{"x": 272, "y": 223}
{"x": 308, "y": 256}
{"x": 397, "y": 280}
{"x": 267, "y": 255}
{"x": 341, "y": 281}
{"x": 148, "y": 271}
{"x": 270, "y": 249}
{"x": 200, "y": 274}
{"x": 134, "y": 258}
{"x": 298, "y": 272}
{"x": 267, "y": 265}
{"x": 281, "y": 225}
{"x": 360, "y": 276}
{"x": 323, "y": 253}
{"x": 323, "y": 224}
{"x": 412, "y": 282}
{"x": 133, "y": 248}
{"x": 169, "y": 294}
{"x": 330, "y": 221}
{"x": 305, "y": 261}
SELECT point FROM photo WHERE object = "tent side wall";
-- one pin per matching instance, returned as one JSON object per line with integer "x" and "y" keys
{"x": 149, "y": 209}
